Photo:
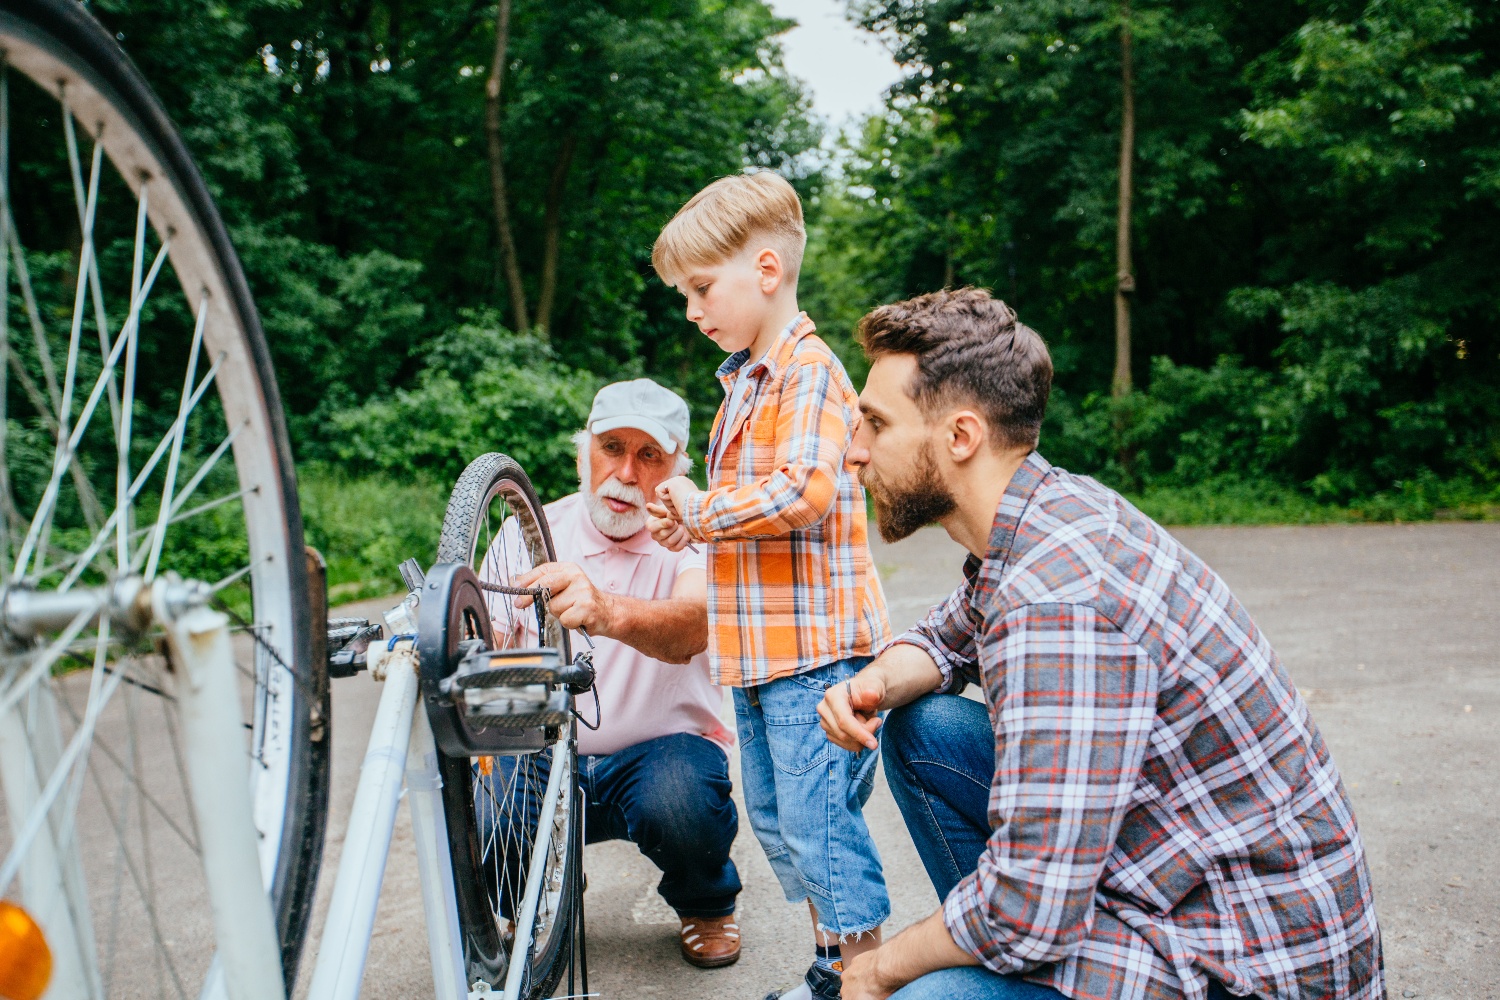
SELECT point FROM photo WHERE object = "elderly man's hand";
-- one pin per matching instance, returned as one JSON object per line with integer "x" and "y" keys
{"x": 576, "y": 602}
{"x": 665, "y": 528}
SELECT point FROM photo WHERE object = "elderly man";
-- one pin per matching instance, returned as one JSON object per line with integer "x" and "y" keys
{"x": 1142, "y": 807}
{"x": 655, "y": 772}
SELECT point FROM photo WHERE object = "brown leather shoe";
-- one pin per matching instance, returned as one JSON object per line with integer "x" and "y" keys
{"x": 710, "y": 942}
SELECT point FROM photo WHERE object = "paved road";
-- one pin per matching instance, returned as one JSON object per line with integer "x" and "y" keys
{"x": 1392, "y": 634}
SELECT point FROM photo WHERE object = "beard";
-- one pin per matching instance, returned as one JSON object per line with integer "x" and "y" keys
{"x": 610, "y": 523}
{"x": 919, "y": 500}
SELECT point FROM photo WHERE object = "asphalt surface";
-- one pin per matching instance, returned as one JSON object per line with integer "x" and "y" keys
{"x": 1392, "y": 635}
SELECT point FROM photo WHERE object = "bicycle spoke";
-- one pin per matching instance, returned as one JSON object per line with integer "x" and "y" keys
{"x": 101, "y": 321}
{"x": 66, "y": 453}
{"x": 129, "y": 779}
{"x": 122, "y": 474}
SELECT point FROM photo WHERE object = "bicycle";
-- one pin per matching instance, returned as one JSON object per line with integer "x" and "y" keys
{"x": 164, "y": 741}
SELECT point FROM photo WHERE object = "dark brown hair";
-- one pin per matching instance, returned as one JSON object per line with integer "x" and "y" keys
{"x": 969, "y": 349}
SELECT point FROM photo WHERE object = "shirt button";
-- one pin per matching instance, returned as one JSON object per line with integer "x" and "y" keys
{"x": 611, "y": 585}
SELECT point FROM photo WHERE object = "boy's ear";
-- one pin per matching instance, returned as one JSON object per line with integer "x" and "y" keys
{"x": 768, "y": 263}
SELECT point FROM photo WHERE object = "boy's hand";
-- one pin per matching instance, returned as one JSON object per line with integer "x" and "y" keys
{"x": 673, "y": 494}
{"x": 850, "y": 712}
{"x": 666, "y": 529}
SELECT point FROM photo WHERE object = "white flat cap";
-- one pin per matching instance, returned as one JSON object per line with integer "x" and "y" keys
{"x": 645, "y": 406}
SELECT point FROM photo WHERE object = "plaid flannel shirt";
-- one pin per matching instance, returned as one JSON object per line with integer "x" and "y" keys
{"x": 1163, "y": 807}
{"x": 790, "y": 582}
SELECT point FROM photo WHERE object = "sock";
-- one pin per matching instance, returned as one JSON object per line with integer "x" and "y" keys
{"x": 830, "y": 959}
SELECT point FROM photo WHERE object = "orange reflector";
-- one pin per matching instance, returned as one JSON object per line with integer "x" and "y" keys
{"x": 25, "y": 959}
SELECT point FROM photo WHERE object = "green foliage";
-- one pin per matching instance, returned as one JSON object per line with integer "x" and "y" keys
{"x": 367, "y": 525}
{"x": 1315, "y": 220}
{"x": 483, "y": 389}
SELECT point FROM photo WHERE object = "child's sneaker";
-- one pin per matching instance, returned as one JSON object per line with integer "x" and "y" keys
{"x": 818, "y": 984}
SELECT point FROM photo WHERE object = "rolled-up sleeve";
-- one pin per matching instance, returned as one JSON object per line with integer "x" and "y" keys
{"x": 1073, "y": 701}
{"x": 814, "y": 427}
{"x": 947, "y": 634}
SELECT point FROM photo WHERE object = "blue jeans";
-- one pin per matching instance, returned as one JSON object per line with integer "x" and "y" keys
{"x": 669, "y": 796}
{"x": 805, "y": 798}
{"x": 939, "y": 761}
{"x": 981, "y": 984}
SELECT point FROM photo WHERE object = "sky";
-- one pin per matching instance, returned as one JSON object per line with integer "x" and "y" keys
{"x": 846, "y": 69}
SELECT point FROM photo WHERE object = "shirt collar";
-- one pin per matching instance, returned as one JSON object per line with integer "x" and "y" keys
{"x": 1013, "y": 506}
{"x": 766, "y": 362}
{"x": 593, "y": 542}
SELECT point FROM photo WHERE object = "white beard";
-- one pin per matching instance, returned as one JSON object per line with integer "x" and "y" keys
{"x": 610, "y": 524}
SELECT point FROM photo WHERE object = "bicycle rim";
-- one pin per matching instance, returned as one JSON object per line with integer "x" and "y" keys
{"x": 142, "y": 436}
{"x": 495, "y": 524}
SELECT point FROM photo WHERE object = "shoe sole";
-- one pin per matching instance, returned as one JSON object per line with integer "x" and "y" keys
{"x": 710, "y": 963}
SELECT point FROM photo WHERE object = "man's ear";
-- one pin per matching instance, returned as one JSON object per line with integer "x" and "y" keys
{"x": 966, "y": 433}
{"x": 768, "y": 263}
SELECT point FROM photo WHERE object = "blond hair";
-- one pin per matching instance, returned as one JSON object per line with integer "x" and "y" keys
{"x": 726, "y": 217}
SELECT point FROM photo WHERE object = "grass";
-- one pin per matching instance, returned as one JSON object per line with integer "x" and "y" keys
{"x": 365, "y": 526}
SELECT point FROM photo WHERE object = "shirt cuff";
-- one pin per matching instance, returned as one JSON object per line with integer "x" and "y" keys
{"x": 963, "y": 915}
{"x": 693, "y": 511}
{"x": 947, "y": 663}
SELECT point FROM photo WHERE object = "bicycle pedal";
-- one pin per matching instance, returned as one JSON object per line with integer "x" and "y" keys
{"x": 517, "y": 707}
{"x": 502, "y": 669}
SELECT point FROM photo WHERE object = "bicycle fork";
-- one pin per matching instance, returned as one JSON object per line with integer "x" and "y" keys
{"x": 401, "y": 746}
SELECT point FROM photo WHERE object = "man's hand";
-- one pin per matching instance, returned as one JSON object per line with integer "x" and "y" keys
{"x": 849, "y": 713}
{"x": 924, "y": 947}
{"x": 666, "y": 528}
{"x": 575, "y": 602}
{"x": 864, "y": 979}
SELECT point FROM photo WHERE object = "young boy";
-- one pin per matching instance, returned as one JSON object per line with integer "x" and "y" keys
{"x": 794, "y": 605}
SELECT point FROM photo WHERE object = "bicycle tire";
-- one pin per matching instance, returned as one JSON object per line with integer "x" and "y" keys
{"x": 59, "y": 46}
{"x": 485, "y": 954}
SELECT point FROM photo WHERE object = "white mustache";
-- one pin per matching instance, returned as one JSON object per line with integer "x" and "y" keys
{"x": 613, "y": 489}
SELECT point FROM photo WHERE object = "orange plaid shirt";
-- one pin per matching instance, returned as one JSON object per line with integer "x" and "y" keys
{"x": 790, "y": 584}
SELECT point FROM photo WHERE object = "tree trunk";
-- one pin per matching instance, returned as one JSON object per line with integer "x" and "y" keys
{"x": 508, "y": 259}
{"x": 552, "y": 231}
{"x": 1124, "y": 275}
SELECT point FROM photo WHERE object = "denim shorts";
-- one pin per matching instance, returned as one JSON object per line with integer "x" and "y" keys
{"x": 805, "y": 799}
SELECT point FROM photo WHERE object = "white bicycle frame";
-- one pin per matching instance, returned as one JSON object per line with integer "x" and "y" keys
{"x": 247, "y": 964}
{"x": 400, "y": 745}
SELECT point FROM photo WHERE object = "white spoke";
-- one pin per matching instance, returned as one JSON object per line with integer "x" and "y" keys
{"x": 60, "y": 774}
{"x": 81, "y": 562}
{"x": 33, "y": 314}
{"x": 122, "y": 475}
{"x": 65, "y": 456}
{"x": 8, "y": 517}
{"x": 237, "y": 575}
{"x": 101, "y": 321}
{"x": 165, "y": 511}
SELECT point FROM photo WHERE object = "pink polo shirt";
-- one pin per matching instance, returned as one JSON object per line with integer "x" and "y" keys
{"x": 639, "y": 698}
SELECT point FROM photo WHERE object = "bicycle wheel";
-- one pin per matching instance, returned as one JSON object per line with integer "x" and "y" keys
{"x": 496, "y": 524}
{"x": 119, "y": 399}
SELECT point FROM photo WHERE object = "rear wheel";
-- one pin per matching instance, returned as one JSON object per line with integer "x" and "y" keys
{"x": 495, "y": 524}
{"x": 120, "y": 401}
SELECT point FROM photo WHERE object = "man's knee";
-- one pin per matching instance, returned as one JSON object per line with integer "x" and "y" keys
{"x": 923, "y": 725}
{"x": 681, "y": 800}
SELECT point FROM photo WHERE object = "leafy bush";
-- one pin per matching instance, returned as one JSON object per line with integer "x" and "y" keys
{"x": 366, "y": 526}
{"x": 483, "y": 389}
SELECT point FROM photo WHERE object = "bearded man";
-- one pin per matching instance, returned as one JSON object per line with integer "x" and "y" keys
{"x": 1142, "y": 807}
{"x": 655, "y": 772}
